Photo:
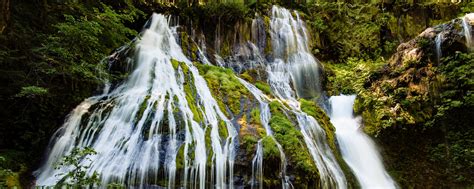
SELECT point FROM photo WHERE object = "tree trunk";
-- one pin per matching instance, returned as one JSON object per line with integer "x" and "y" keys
{"x": 4, "y": 14}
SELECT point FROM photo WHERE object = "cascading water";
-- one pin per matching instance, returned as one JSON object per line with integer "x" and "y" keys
{"x": 357, "y": 149}
{"x": 467, "y": 29}
{"x": 466, "y": 21}
{"x": 265, "y": 118}
{"x": 295, "y": 65}
{"x": 438, "y": 42}
{"x": 290, "y": 45}
{"x": 162, "y": 127}
{"x": 257, "y": 166}
{"x": 139, "y": 127}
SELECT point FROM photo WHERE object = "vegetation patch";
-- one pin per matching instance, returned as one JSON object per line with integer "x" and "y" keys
{"x": 225, "y": 87}
{"x": 291, "y": 139}
{"x": 317, "y": 113}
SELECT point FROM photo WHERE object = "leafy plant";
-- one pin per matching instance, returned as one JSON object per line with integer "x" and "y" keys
{"x": 76, "y": 164}
{"x": 4, "y": 173}
{"x": 82, "y": 41}
{"x": 32, "y": 91}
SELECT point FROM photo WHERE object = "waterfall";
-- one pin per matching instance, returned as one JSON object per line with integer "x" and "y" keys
{"x": 290, "y": 45}
{"x": 294, "y": 65}
{"x": 466, "y": 24}
{"x": 265, "y": 119}
{"x": 257, "y": 166}
{"x": 140, "y": 126}
{"x": 358, "y": 150}
{"x": 438, "y": 43}
{"x": 161, "y": 126}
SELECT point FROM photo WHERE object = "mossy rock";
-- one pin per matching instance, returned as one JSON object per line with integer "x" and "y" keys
{"x": 300, "y": 162}
{"x": 225, "y": 87}
{"x": 315, "y": 111}
{"x": 323, "y": 119}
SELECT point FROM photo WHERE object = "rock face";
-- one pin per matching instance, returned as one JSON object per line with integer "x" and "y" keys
{"x": 419, "y": 107}
{"x": 403, "y": 92}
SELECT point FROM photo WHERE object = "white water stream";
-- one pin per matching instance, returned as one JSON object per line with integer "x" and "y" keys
{"x": 358, "y": 150}
{"x": 438, "y": 42}
{"x": 466, "y": 24}
{"x": 265, "y": 116}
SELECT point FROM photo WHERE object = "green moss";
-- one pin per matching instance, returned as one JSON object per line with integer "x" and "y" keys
{"x": 184, "y": 67}
{"x": 225, "y": 87}
{"x": 255, "y": 116}
{"x": 190, "y": 91}
{"x": 268, "y": 47}
{"x": 246, "y": 76}
{"x": 270, "y": 149}
{"x": 208, "y": 142}
{"x": 142, "y": 108}
{"x": 180, "y": 158}
{"x": 315, "y": 111}
{"x": 223, "y": 133}
{"x": 292, "y": 141}
{"x": 175, "y": 64}
{"x": 351, "y": 77}
{"x": 248, "y": 142}
{"x": 264, "y": 87}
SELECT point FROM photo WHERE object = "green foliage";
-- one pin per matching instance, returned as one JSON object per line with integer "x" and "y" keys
{"x": 225, "y": 86}
{"x": 291, "y": 140}
{"x": 228, "y": 10}
{"x": 255, "y": 116}
{"x": 426, "y": 104}
{"x": 226, "y": 13}
{"x": 12, "y": 166}
{"x": 351, "y": 77}
{"x": 348, "y": 30}
{"x": 50, "y": 57}
{"x": 467, "y": 7}
{"x": 82, "y": 41}
{"x": 458, "y": 71}
{"x": 4, "y": 173}
{"x": 32, "y": 91}
{"x": 76, "y": 176}
{"x": 270, "y": 149}
{"x": 317, "y": 113}
{"x": 369, "y": 30}
{"x": 264, "y": 87}
{"x": 248, "y": 142}
{"x": 456, "y": 156}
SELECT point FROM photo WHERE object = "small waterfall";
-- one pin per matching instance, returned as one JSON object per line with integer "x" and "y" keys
{"x": 265, "y": 116}
{"x": 357, "y": 149}
{"x": 139, "y": 127}
{"x": 438, "y": 42}
{"x": 290, "y": 44}
{"x": 294, "y": 65}
{"x": 468, "y": 30}
{"x": 257, "y": 167}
